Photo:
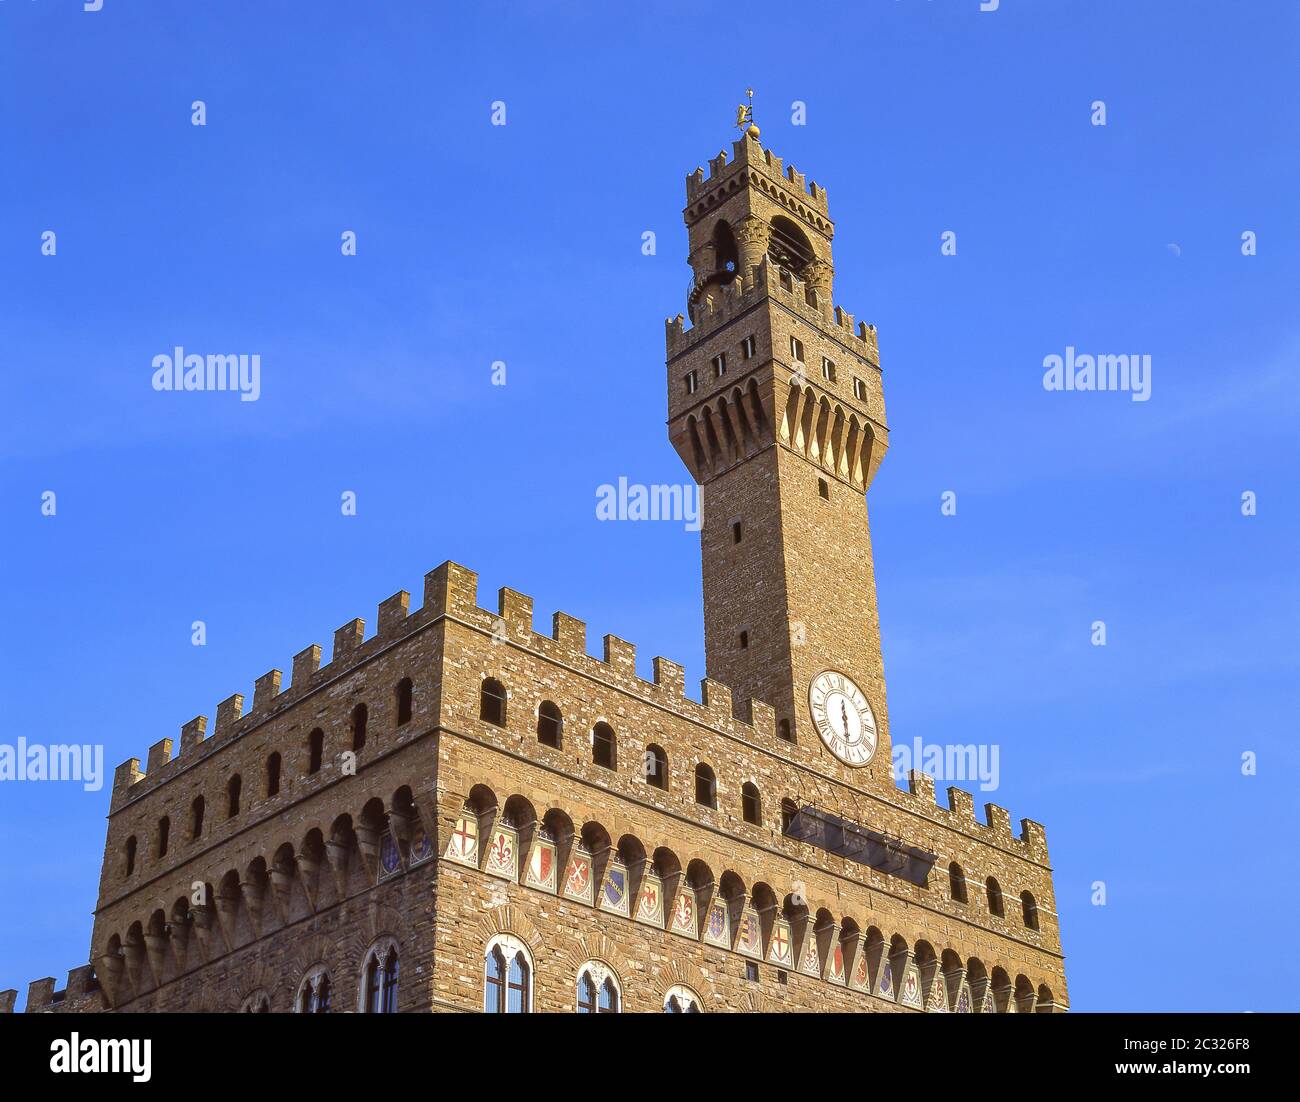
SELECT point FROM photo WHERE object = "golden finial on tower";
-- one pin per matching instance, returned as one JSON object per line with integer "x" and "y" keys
{"x": 745, "y": 115}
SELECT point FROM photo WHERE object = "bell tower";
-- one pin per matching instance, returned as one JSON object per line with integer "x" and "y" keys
{"x": 775, "y": 406}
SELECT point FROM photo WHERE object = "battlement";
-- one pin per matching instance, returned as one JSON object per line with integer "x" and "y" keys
{"x": 749, "y": 720}
{"x": 960, "y": 813}
{"x": 763, "y": 281}
{"x": 452, "y": 590}
{"x": 81, "y": 992}
{"x": 765, "y": 168}
{"x": 270, "y": 696}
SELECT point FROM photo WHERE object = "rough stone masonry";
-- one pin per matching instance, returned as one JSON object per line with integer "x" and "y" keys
{"x": 460, "y": 813}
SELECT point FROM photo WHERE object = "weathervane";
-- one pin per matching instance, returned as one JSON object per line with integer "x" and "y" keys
{"x": 745, "y": 114}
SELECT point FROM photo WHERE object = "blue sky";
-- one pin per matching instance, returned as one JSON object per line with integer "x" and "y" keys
{"x": 522, "y": 243}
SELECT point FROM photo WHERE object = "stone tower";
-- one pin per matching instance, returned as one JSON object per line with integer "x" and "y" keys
{"x": 776, "y": 407}
{"x": 528, "y": 827}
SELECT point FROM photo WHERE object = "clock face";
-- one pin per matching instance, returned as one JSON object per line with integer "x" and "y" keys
{"x": 843, "y": 718}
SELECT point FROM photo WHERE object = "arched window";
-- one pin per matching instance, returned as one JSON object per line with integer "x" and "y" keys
{"x": 1029, "y": 909}
{"x": 706, "y": 786}
{"x": 379, "y": 980}
{"x": 598, "y": 990}
{"x": 492, "y": 702}
{"x": 314, "y": 992}
{"x": 656, "y": 767}
{"x": 995, "y": 897}
{"x": 130, "y": 855}
{"x": 196, "y": 816}
{"x": 273, "y": 774}
{"x": 404, "y": 701}
{"x": 233, "y": 787}
{"x": 315, "y": 750}
{"x": 956, "y": 883}
{"x": 681, "y": 1000}
{"x": 164, "y": 835}
{"x": 788, "y": 246}
{"x": 259, "y": 1002}
{"x": 604, "y": 748}
{"x": 550, "y": 725}
{"x": 508, "y": 977}
{"x": 360, "y": 716}
{"x": 751, "y": 804}
{"x": 724, "y": 243}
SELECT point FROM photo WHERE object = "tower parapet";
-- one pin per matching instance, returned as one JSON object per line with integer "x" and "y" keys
{"x": 748, "y": 155}
{"x": 728, "y": 301}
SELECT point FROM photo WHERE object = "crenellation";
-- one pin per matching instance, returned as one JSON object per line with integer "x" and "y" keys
{"x": 305, "y": 664}
{"x": 670, "y": 677}
{"x": 8, "y": 998}
{"x": 1034, "y": 838}
{"x": 393, "y": 612}
{"x": 673, "y": 328}
{"x": 715, "y": 697}
{"x": 921, "y": 785}
{"x": 754, "y": 165}
{"x": 761, "y": 716}
{"x": 160, "y": 753}
{"x": 961, "y": 805}
{"x": 867, "y": 335}
{"x": 998, "y": 820}
{"x": 742, "y": 295}
{"x": 192, "y": 734}
{"x": 347, "y": 639}
{"x": 40, "y": 994}
{"x": 81, "y": 981}
{"x": 265, "y": 689}
{"x": 124, "y": 776}
{"x": 620, "y": 655}
{"x": 516, "y": 610}
{"x": 229, "y": 713}
{"x": 452, "y": 590}
{"x": 80, "y": 994}
{"x": 569, "y": 632}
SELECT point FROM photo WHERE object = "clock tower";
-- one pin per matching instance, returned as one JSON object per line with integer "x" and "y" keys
{"x": 775, "y": 406}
